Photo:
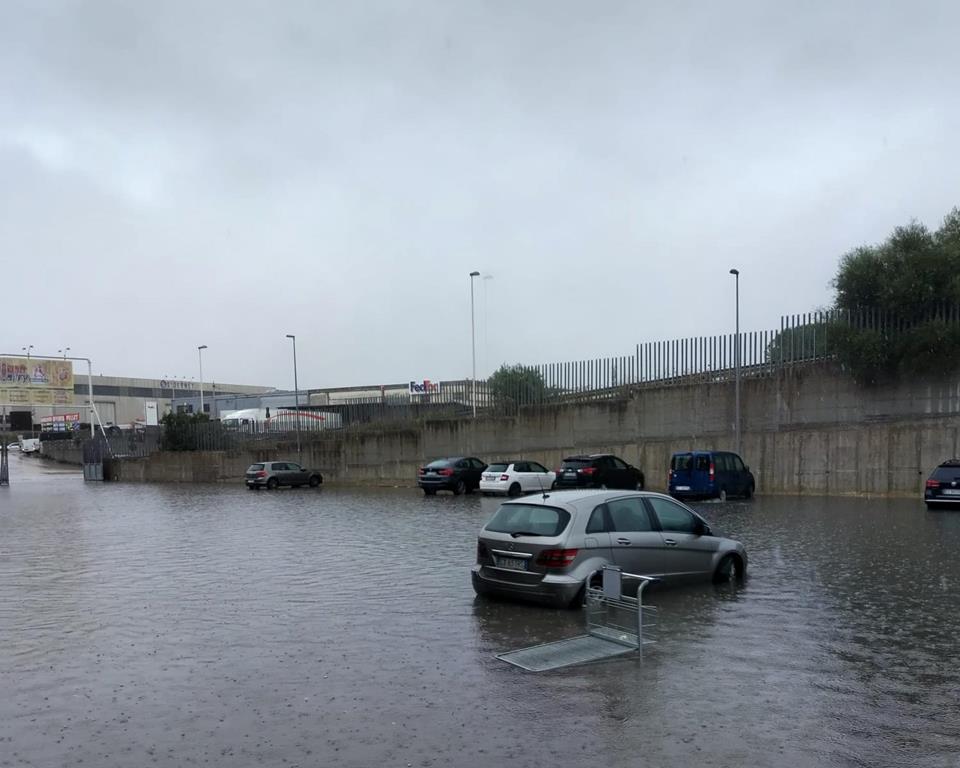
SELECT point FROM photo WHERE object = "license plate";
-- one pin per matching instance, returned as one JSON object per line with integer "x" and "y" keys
{"x": 514, "y": 563}
{"x": 489, "y": 477}
{"x": 683, "y": 487}
{"x": 571, "y": 473}
{"x": 951, "y": 491}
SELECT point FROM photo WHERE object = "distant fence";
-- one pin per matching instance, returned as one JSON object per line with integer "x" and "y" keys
{"x": 801, "y": 339}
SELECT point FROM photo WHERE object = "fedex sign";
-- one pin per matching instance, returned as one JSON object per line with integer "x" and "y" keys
{"x": 425, "y": 387}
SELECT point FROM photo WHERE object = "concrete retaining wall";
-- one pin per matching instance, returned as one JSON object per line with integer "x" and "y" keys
{"x": 810, "y": 431}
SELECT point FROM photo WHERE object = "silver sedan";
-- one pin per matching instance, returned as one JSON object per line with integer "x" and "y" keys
{"x": 544, "y": 548}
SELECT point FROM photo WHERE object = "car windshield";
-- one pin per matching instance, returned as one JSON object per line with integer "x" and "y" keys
{"x": 946, "y": 473}
{"x": 497, "y": 468}
{"x": 529, "y": 518}
{"x": 576, "y": 463}
{"x": 439, "y": 463}
{"x": 255, "y": 467}
{"x": 681, "y": 461}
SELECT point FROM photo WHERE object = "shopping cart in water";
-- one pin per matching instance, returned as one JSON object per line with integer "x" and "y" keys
{"x": 616, "y": 624}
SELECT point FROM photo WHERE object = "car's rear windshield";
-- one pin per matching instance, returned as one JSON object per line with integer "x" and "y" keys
{"x": 255, "y": 467}
{"x": 946, "y": 473}
{"x": 681, "y": 461}
{"x": 576, "y": 463}
{"x": 497, "y": 468}
{"x": 440, "y": 463}
{"x": 529, "y": 518}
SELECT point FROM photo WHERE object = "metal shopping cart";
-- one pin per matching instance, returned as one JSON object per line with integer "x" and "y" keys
{"x": 616, "y": 624}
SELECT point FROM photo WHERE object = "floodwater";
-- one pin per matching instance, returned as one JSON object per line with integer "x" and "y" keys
{"x": 207, "y": 625}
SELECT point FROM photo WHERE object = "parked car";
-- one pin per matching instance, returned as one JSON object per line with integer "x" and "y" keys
{"x": 544, "y": 548}
{"x": 709, "y": 475}
{"x": 273, "y": 474}
{"x": 943, "y": 485}
{"x": 515, "y": 477}
{"x": 460, "y": 474}
{"x": 598, "y": 470}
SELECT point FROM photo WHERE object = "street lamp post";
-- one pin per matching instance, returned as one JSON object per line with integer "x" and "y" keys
{"x": 736, "y": 275}
{"x": 296, "y": 396}
{"x": 64, "y": 352}
{"x": 473, "y": 344}
{"x": 27, "y": 350}
{"x": 200, "y": 355}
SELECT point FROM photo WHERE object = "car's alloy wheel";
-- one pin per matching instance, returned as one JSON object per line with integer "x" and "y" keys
{"x": 514, "y": 490}
{"x": 314, "y": 481}
{"x": 459, "y": 488}
{"x": 272, "y": 484}
{"x": 728, "y": 571}
{"x": 723, "y": 494}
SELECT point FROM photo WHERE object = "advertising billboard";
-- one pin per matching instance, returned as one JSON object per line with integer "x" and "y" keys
{"x": 26, "y": 381}
{"x": 62, "y": 422}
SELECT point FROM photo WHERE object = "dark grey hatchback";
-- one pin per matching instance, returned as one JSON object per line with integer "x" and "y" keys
{"x": 943, "y": 485}
{"x": 460, "y": 474}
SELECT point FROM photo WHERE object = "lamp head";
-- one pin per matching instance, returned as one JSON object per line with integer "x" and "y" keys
{"x": 202, "y": 346}
{"x": 474, "y": 274}
{"x": 735, "y": 272}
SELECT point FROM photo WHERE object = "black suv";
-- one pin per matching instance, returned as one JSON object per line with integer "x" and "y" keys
{"x": 598, "y": 470}
{"x": 460, "y": 474}
{"x": 943, "y": 486}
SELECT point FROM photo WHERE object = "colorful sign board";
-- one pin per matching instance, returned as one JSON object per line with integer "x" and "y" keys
{"x": 61, "y": 422}
{"x": 425, "y": 387}
{"x": 26, "y": 381}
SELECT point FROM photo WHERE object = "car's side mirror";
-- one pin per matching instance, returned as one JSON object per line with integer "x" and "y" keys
{"x": 700, "y": 528}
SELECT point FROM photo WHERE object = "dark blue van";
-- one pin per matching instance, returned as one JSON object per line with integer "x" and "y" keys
{"x": 709, "y": 475}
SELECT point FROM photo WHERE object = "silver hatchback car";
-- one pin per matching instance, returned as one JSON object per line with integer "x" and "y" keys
{"x": 544, "y": 548}
{"x": 273, "y": 474}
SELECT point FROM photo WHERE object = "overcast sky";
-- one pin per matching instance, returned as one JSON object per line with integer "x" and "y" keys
{"x": 224, "y": 173}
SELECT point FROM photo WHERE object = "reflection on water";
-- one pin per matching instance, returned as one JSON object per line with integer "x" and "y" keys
{"x": 182, "y": 625}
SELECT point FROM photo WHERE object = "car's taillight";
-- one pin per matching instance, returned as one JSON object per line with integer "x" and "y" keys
{"x": 481, "y": 552}
{"x": 261, "y": 473}
{"x": 933, "y": 483}
{"x": 556, "y": 558}
{"x": 504, "y": 477}
{"x": 445, "y": 472}
{"x": 587, "y": 470}
{"x": 712, "y": 471}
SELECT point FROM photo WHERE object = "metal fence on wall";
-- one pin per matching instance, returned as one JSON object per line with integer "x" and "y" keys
{"x": 802, "y": 339}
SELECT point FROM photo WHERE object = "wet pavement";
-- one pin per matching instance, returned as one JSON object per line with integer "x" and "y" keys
{"x": 208, "y": 625}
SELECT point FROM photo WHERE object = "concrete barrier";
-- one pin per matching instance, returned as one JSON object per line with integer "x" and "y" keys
{"x": 811, "y": 430}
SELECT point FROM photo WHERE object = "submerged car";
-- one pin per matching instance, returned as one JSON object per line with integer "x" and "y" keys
{"x": 943, "y": 485}
{"x": 598, "y": 470}
{"x": 544, "y": 548}
{"x": 273, "y": 474}
{"x": 515, "y": 477}
{"x": 709, "y": 475}
{"x": 459, "y": 474}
